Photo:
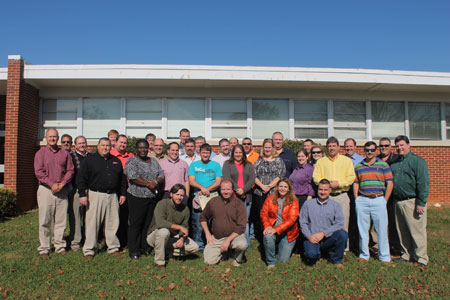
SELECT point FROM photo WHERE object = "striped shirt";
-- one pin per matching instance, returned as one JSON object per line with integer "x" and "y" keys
{"x": 372, "y": 178}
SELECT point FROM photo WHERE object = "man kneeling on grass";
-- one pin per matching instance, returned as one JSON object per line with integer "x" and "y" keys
{"x": 228, "y": 218}
{"x": 322, "y": 222}
{"x": 168, "y": 232}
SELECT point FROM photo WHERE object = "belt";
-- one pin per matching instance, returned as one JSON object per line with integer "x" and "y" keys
{"x": 337, "y": 194}
{"x": 372, "y": 196}
{"x": 105, "y": 191}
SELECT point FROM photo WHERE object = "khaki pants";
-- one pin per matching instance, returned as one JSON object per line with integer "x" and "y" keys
{"x": 412, "y": 231}
{"x": 101, "y": 208}
{"x": 52, "y": 210}
{"x": 344, "y": 201}
{"x": 162, "y": 241}
{"x": 212, "y": 254}
{"x": 76, "y": 214}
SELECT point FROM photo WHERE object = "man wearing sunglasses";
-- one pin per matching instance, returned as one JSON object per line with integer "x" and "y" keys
{"x": 372, "y": 188}
{"x": 386, "y": 153}
{"x": 66, "y": 142}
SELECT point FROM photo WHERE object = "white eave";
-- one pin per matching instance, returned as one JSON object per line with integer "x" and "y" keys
{"x": 3, "y": 79}
{"x": 235, "y": 76}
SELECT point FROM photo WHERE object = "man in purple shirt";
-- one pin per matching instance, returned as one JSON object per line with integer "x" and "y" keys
{"x": 54, "y": 169}
{"x": 175, "y": 170}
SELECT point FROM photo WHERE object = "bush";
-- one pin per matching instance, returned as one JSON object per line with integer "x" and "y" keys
{"x": 293, "y": 145}
{"x": 131, "y": 147}
{"x": 8, "y": 200}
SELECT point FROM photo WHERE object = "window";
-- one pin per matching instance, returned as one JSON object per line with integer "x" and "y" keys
{"x": 270, "y": 116}
{"x": 185, "y": 113}
{"x": 143, "y": 116}
{"x": 229, "y": 118}
{"x": 447, "y": 119}
{"x": 100, "y": 116}
{"x": 388, "y": 119}
{"x": 424, "y": 121}
{"x": 349, "y": 119}
{"x": 311, "y": 119}
{"x": 60, "y": 114}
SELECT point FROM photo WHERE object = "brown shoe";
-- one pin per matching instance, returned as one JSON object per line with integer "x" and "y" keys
{"x": 339, "y": 266}
{"x": 360, "y": 259}
{"x": 387, "y": 263}
{"x": 117, "y": 253}
{"x": 160, "y": 266}
{"x": 62, "y": 252}
{"x": 89, "y": 256}
{"x": 43, "y": 255}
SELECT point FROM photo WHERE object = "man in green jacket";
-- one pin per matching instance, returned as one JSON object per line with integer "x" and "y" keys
{"x": 411, "y": 188}
{"x": 169, "y": 228}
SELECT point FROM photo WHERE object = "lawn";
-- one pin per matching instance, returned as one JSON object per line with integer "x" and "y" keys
{"x": 24, "y": 275}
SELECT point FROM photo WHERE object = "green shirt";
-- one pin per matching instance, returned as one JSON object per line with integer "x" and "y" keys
{"x": 167, "y": 213}
{"x": 411, "y": 179}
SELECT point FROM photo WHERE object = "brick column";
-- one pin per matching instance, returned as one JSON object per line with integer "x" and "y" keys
{"x": 21, "y": 134}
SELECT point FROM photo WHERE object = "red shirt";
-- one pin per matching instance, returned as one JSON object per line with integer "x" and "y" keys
{"x": 52, "y": 167}
{"x": 122, "y": 157}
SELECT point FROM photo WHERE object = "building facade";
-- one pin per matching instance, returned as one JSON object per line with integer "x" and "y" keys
{"x": 216, "y": 102}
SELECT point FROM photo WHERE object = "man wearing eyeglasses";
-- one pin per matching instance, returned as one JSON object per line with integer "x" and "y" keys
{"x": 66, "y": 142}
{"x": 252, "y": 156}
{"x": 411, "y": 188}
{"x": 388, "y": 156}
{"x": 372, "y": 189}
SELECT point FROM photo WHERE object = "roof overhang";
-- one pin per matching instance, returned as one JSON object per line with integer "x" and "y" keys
{"x": 195, "y": 76}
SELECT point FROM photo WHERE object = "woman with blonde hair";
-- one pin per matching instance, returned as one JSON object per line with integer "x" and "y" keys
{"x": 269, "y": 169}
{"x": 279, "y": 216}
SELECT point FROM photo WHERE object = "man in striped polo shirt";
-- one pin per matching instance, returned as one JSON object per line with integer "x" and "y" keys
{"x": 372, "y": 189}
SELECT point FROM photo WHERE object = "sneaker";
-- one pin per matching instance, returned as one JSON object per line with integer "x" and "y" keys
{"x": 178, "y": 252}
{"x": 235, "y": 263}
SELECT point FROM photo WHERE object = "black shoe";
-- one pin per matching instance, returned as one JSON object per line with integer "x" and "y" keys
{"x": 146, "y": 252}
{"x": 135, "y": 257}
{"x": 421, "y": 265}
{"x": 400, "y": 260}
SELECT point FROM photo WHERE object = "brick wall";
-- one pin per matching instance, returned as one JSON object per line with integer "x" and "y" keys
{"x": 21, "y": 134}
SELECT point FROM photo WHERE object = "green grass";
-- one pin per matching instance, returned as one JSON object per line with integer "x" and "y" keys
{"x": 24, "y": 275}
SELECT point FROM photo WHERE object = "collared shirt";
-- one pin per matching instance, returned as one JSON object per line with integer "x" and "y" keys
{"x": 136, "y": 168}
{"x": 189, "y": 159}
{"x": 77, "y": 158}
{"x": 301, "y": 180}
{"x": 340, "y": 169}
{"x": 252, "y": 157}
{"x": 393, "y": 158}
{"x": 226, "y": 216}
{"x": 157, "y": 158}
{"x": 356, "y": 158}
{"x": 175, "y": 171}
{"x": 168, "y": 213}
{"x": 316, "y": 216}
{"x": 52, "y": 167}
{"x": 372, "y": 178}
{"x": 99, "y": 173}
{"x": 411, "y": 179}
{"x": 289, "y": 161}
{"x": 221, "y": 158}
{"x": 122, "y": 157}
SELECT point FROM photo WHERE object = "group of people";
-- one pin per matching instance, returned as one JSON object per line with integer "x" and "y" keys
{"x": 193, "y": 200}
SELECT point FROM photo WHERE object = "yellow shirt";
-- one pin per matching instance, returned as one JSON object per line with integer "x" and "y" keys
{"x": 340, "y": 169}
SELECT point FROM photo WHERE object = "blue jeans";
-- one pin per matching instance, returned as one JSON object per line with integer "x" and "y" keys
{"x": 197, "y": 230}
{"x": 374, "y": 208}
{"x": 284, "y": 248}
{"x": 248, "y": 206}
{"x": 335, "y": 244}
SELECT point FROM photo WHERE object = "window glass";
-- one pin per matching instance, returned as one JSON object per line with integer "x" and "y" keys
{"x": 310, "y": 112}
{"x": 100, "y": 116}
{"x": 56, "y": 112}
{"x": 270, "y": 116}
{"x": 229, "y": 111}
{"x": 349, "y": 113}
{"x": 424, "y": 120}
{"x": 227, "y": 132}
{"x": 447, "y": 114}
{"x": 311, "y": 133}
{"x": 388, "y": 119}
{"x": 185, "y": 113}
{"x": 144, "y": 111}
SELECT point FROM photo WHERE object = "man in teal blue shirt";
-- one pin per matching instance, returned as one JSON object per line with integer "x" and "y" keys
{"x": 411, "y": 188}
{"x": 204, "y": 177}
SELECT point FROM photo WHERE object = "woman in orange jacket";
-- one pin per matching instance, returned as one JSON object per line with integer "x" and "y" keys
{"x": 279, "y": 218}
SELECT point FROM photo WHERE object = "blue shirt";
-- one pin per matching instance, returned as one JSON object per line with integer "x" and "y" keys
{"x": 316, "y": 216}
{"x": 289, "y": 161}
{"x": 205, "y": 174}
{"x": 356, "y": 158}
